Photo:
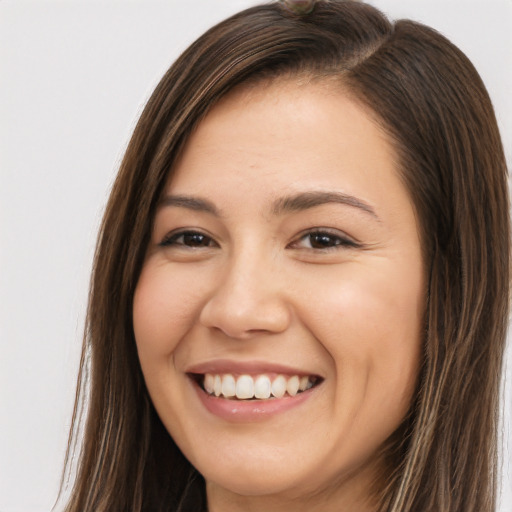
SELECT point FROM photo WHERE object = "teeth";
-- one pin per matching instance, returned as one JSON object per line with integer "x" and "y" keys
{"x": 217, "y": 385}
{"x": 262, "y": 387}
{"x": 292, "y": 386}
{"x": 244, "y": 386}
{"x": 228, "y": 386}
{"x": 279, "y": 386}
{"x": 208, "y": 383}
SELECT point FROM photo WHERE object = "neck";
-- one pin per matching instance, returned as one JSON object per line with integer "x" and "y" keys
{"x": 346, "y": 497}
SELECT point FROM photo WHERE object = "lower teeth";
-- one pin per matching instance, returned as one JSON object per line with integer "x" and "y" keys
{"x": 253, "y": 399}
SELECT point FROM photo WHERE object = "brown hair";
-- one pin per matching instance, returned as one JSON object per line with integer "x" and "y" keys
{"x": 430, "y": 100}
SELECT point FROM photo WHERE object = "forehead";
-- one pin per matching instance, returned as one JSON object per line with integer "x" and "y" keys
{"x": 289, "y": 130}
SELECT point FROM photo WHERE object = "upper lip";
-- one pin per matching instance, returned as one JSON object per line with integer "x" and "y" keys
{"x": 220, "y": 366}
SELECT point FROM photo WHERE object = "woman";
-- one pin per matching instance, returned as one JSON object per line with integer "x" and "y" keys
{"x": 300, "y": 290}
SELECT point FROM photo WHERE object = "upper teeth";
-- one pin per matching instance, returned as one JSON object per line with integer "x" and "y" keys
{"x": 246, "y": 387}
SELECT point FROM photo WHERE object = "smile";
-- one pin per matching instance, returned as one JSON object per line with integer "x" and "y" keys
{"x": 255, "y": 387}
{"x": 251, "y": 391}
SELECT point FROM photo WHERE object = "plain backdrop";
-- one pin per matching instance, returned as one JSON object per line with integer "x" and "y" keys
{"x": 73, "y": 78}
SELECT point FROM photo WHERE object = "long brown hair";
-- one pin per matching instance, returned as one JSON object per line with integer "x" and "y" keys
{"x": 429, "y": 99}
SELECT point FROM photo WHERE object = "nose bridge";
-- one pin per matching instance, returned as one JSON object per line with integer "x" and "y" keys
{"x": 248, "y": 296}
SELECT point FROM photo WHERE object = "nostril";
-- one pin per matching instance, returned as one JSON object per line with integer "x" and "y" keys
{"x": 246, "y": 316}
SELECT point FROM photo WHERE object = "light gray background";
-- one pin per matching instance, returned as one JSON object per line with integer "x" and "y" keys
{"x": 73, "y": 78}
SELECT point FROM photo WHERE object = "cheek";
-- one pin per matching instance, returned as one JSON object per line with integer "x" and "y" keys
{"x": 371, "y": 324}
{"x": 164, "y": 306}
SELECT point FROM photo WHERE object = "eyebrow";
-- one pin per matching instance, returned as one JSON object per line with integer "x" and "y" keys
{"x": 306, "y": 200}
{"x": 297, "y": 202}
{"x": 191, "y": 203}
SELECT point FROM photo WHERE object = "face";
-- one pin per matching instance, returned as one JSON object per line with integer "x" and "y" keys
{"x": 279, "y": 312}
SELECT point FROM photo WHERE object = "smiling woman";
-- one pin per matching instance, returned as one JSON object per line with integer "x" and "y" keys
{"x": 294, "y": 304}
{"x": 289, "y": 276}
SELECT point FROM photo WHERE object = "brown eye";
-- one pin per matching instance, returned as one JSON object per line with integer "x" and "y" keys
{"x": 318, "y": 240}
{"x": 195, "y": 240}
{"x": 323, "y": 240}
{"x": 192, "y": 239}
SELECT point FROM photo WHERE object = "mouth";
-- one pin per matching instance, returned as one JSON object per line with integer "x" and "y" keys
{"x": 257, "y": 387}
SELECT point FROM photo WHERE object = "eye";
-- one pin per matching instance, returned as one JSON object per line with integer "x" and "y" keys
{"x": 323, "y": 240}
{"x": 188, "y": 239}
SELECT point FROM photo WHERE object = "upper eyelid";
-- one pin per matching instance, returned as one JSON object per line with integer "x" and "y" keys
{"x": 328, "y": 231}
{"x": 183, "y": 231}
{"x": 313, "y": 230}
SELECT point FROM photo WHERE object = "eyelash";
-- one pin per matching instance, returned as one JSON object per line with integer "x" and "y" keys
{"x": 172, "y": 239}
{"x": 334, "y": 240}
{"x": 329, "y": 240}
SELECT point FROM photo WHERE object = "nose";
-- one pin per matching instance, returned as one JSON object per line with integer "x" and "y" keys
{"x": 249, "y": 298}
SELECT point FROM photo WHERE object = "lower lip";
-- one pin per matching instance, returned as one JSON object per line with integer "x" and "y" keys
{"x": 250, "y": 410}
